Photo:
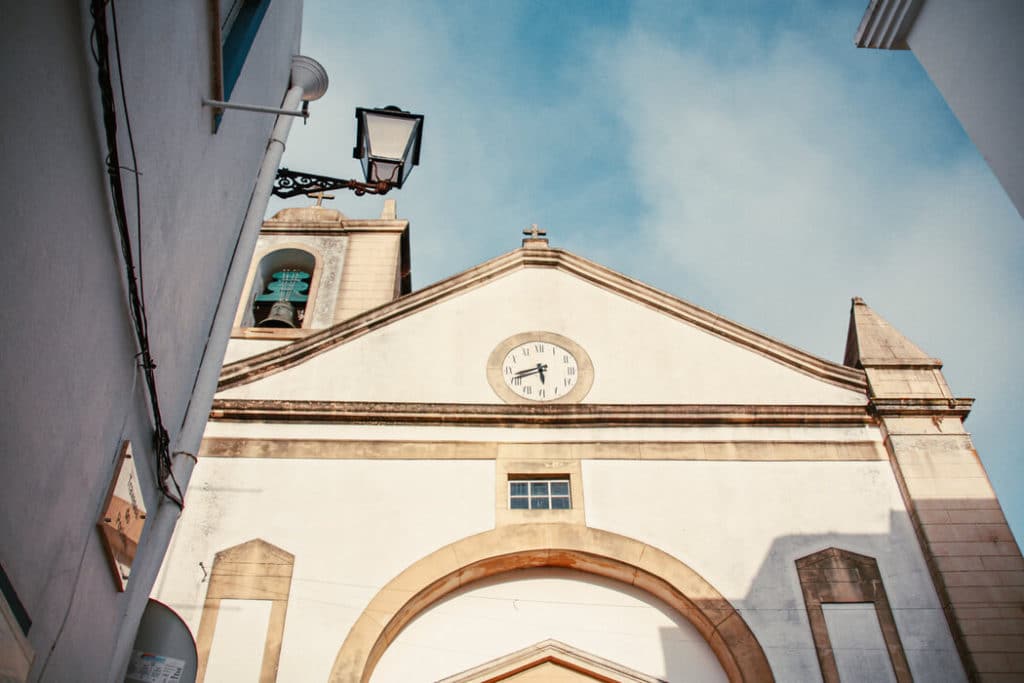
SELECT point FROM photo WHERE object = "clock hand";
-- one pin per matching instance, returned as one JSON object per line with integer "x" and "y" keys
{"x": 538, "y": 369}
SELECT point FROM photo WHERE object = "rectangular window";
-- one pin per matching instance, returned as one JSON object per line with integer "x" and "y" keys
{"x": 539, "y": 494}
{"x": 234, "y": 31}
{"x": 242, "y": 21}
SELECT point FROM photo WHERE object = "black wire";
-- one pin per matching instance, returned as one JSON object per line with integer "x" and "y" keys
{"x": 135, "y": 158}
{"x": 162, "y": 451}
{"x": 100, "y": 49}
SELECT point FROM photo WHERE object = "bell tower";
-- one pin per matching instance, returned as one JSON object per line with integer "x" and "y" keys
{"x": 314, "y": 267}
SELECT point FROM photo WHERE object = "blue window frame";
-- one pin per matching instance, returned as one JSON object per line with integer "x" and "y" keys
{"x": 242, "y": 24}
{"x": 539, "y": 494}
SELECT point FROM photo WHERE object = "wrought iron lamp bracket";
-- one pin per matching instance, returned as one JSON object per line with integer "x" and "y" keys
{"x": 294, "y": 183}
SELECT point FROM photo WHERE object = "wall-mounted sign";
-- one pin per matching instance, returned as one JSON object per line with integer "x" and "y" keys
{"x": 147, "y": 667}
{"x": 123, "y": 517}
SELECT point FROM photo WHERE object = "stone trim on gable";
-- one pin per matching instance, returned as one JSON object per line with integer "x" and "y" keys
{"x": 265, "y": 364}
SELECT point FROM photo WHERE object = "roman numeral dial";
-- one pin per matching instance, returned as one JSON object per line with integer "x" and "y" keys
{"x": 541, "y": 367}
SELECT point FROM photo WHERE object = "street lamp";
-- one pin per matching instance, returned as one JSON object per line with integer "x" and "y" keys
{"x": 387, "y": 146}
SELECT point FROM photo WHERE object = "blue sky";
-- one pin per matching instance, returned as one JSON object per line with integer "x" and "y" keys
{"x": 740, "y": 156}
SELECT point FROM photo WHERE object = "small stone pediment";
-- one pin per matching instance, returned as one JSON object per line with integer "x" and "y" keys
{"x": 551, "y": 660}
{"x": 256, "y": 551}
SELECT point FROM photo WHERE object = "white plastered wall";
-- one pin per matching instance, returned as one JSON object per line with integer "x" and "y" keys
{"x": 355, "y": 524}
{"x": 352, "y": 526}
{"x": 70, "y": 358}
{"x": 971, "y": 50}
{"x": 742, "y": 526}
{"x": 496, "y": 617}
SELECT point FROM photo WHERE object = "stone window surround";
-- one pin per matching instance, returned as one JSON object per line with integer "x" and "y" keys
{"x": 834, "y": 575}
{"x": 254, "y": 570}
{"x": 527, "y": 461}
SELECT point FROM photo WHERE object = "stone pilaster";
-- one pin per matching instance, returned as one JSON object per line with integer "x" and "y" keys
{"x": 971, "y": 553}
{"x": 377, "y": 264}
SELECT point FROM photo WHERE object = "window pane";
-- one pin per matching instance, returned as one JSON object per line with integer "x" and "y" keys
{"x": 539, "y": 503}
{"x": 539, "y": 488}
{"x": 519, "y": 503}
{"x": 517, "y": 488}
{"x": 560, "y": 504}
{"x": 559, "y": 488}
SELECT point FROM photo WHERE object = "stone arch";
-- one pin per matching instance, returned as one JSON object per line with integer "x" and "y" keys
{"x": 525, "y": 546}
{"x": 291, "y": 254}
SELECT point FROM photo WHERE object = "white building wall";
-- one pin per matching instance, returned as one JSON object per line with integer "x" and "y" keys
{"x": 353, "y": 525}
{"x": 742, "y": 526}
{"x": 491, "y": 618}
{"x": 69, "y": 360}
{"x": 972, "y": 52}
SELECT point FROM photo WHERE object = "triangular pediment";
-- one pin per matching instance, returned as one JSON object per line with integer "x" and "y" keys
{"x": 256, "y": 551}
{"x": 647, "y": 346}
{"x": 551, "y": 661}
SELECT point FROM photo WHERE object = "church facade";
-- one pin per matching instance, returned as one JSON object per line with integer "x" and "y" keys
{"x": 540, "y": 469}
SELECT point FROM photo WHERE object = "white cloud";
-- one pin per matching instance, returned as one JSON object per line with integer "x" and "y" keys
{"x": 775, "y": 182}
{"x": 758, "y": 166}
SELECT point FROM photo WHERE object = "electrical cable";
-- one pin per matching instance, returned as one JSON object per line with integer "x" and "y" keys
{"x": 100, "y": 49}
{"x": 138, "y": 241}
{"x": 135, "y": 159}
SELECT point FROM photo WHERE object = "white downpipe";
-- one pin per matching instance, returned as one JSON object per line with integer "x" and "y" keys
{"x": 308, "y": 82}
{"x": 209, "y": 370}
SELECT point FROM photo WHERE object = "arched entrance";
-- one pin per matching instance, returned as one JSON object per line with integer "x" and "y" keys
{"x": 571, "y": 546}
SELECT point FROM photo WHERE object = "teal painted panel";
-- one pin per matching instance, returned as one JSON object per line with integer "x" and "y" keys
{"x": 287, "y": 285}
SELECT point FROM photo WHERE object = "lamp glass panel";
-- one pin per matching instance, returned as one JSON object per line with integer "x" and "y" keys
{"x": 407, "y": 166}
{"x": 383, "y": 170}
{"x": 388, "y": 136}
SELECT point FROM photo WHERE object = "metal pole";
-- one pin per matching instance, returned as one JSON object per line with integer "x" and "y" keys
{"x": 253, "y": 107}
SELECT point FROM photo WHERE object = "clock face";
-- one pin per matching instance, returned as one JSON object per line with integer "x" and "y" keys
{"x": 539, "y": 370}
{"x": 540, "y": 367}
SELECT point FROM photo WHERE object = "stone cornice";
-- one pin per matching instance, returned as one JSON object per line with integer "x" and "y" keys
{"x": 916, "y": 407}
{"x": 900, "y": 364}
{"x": 341, "y": 227}
{"x": 262, "y": 365}
{"x": 347, "y": 448}
{"x": 562, "y": 415}
{"x": 886, "y": 23}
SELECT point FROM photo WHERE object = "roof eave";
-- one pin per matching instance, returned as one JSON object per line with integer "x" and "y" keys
{"x": 886, "y": 24}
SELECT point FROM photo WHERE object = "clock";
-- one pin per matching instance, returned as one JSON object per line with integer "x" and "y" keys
{"x": 540, "y": 367}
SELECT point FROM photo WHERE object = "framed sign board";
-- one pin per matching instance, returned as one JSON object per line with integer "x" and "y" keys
{"x": 123, "y": 517}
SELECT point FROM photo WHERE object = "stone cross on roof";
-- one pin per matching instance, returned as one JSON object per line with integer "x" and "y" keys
{"x": 320, "y": 197}
{"x": 535, "y": 237}
{"x": 534, "y": 232}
